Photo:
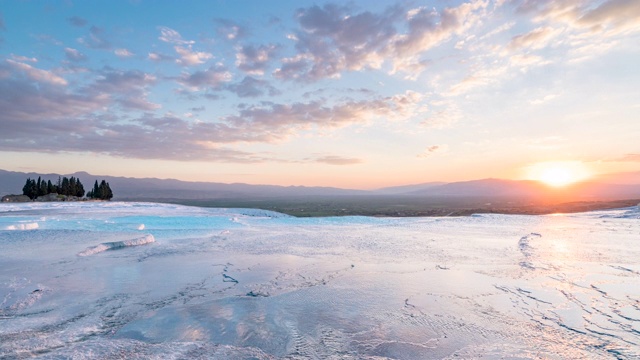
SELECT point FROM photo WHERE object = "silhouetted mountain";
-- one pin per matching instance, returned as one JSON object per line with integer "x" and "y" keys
{"x": 125, "y": 188}
{"x": 531, "y": 190}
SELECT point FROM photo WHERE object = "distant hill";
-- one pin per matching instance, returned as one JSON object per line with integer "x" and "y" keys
{"x": 405, "y": 189}
{"x": 125, "y": 188}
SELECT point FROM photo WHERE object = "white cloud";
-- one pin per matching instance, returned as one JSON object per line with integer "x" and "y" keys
{"x": 123, "y": 53}
{"x": 37, "y": 74}
{"x": 173, "y": 37}
{"x": 535, "y": 39}
{"x": 213, "y": 78}
{"x": 332, "y": 40}
{"x": 188, "y": 57}
{"x": 24, "y": 58}
{"x": 74, "y": 55}
{"x": 255, "y": 60}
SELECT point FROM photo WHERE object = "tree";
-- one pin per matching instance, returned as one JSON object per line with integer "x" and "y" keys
{"x": 42, "y": 189}
{"x": 79, "y": 189}
{"x": 29, "y": 189}
{"x": 96, "y": 190}
{"x": 64, "y": 188}
{"x": 50, "y": 188}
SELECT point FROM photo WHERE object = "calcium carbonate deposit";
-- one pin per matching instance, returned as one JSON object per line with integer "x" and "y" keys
{"x": 139, "y": 281}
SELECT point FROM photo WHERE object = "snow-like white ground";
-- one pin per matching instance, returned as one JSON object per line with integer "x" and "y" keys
{"x": 138, "y": 280}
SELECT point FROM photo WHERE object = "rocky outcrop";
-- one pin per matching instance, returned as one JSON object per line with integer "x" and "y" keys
{"x": 15, "y": 198}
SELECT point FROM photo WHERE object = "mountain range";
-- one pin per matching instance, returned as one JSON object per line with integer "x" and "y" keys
{"x": 616, "y": 187}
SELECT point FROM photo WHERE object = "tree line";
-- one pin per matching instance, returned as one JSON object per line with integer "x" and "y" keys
{"x": 66, "y": 186}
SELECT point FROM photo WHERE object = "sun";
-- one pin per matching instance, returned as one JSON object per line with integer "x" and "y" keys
{"x": 558, "y": 173}
{"x": 556, "y": 176}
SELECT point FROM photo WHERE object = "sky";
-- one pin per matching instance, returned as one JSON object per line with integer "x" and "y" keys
{"x": 358, "y": 94}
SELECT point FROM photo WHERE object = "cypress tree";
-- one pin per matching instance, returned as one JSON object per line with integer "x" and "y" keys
{"x": 64, "y": 189}
{"x": 39, "y": 190}
{"x": 96, "y": 190}
{"x": 26, "y": 189}
{"x": 43, "y": 188}
{"x": 79, "y": 189}
{"x": 109, "y": 194}
{"x": 33, "y": 190}
{"x": 50, "y": 189}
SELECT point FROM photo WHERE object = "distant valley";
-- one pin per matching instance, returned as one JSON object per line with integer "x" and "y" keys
{"x": 434, "y": 198}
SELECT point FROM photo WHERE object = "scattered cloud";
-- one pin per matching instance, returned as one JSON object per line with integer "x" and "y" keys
{"x": 188, "y": 57}
{"x": 619, "y": 15}
{"x": 74, "y": 55}
{"x": 36, "y": 74}
{"x": 608, "y": 18}
{"x": 278, "y": 121}
{"x": 252, "y": 87}
{"x": 38, "y": 110}
{"x": 23, "y": 58}
{"x": 430, "y": 150}
{"x": 331, "y": 39}
{"x": 255, "y": 59}
{"x": 96, "y": 39}
{"x": 127, "y": 88}
{"x": 230, "y": 29}
{"x": 157, "y": 57}
{"x": 123, "y": 53}
{"x": 212, "y": 78}
{"x": 535, "y": 39}
{"x": 171, "y": 36}
{"x": 77, "y": 21}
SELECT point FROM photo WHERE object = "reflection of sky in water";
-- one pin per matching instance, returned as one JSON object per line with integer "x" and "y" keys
{"x": 251, "y": 284}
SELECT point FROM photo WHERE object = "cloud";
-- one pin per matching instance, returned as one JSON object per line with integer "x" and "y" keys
{"x": 23, "y": 58}
{"x": 123, "y": 53}
{"x": 621, "y": 15}
{"x": 337, "y": 160}
{"x": 33, "y": 111}
{"x": 47, "y": 118}
{"x": 252, "y": 87}
{"x": 77, "y": 21}
{"x": 36, "y": 74}
{"x": 430, "y": 150}
{"x": 74, "y": 55}
{"x": 213, "y": 78}
{"x": 188, "y": 57}
{"x": 127, "y": 88}
{"x": 173, "y": 37}
{"x": 230, "y": 29}
{"x": 96, "y": 39}
{"x": 254, "y": 60}
{"x": 272, "y": 122}
{"x": 157, "y": 57}
{"x": 536, "y": 38}
{"x": 609, "y": 18}
{"x": 332, "y": 39}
